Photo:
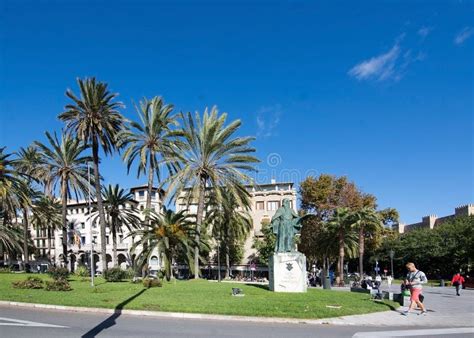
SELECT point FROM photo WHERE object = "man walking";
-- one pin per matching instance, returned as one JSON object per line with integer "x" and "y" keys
{"x": 414, "y": 282}
{"x": 457, "y": 282}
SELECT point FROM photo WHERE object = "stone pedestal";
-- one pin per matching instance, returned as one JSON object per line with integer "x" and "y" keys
{"x": 287, "y": 272}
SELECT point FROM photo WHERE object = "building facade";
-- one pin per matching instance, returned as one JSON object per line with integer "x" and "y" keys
{"x": 432, "y": 221}
{"x": 84, "y": 234}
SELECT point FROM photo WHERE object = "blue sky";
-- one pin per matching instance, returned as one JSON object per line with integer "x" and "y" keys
{"x": 381, "y": 92}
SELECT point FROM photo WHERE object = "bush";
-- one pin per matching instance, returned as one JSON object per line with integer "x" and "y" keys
{"x": 29, "y": 283}
{"x": 130, "y": 273}
{"x": 59, "y": 284}
{"x": 58, "y": 273}
{"x": 82, "y": 271}
{"x": 152, "y": 283}
{"x": 5, "y": 269}
{"x": 115, "y": 275}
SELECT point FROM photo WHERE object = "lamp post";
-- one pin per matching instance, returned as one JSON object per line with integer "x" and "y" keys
{"x": 392, "y": 254}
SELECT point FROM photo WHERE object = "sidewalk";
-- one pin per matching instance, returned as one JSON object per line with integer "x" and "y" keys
{"x": 444, "y": 309}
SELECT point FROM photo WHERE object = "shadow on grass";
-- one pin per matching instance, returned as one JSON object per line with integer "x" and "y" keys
{"x": 111, "y": 321}
{"x": 259, "y": 286}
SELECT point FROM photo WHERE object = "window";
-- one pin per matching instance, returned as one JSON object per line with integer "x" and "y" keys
{"x": 141, "y": 207}
{"x": 83, "y": 240}
{"x": 260, "y": 205}
{"x": 71, "y": 226}
{"x": 94, "y": 239}
{"x": 83, "y": 225}
{"x": 141, "y": 194}
{"x": 273, "y": 205}
{"x": 120, "y": 238}
{"x": 107, "y": 239}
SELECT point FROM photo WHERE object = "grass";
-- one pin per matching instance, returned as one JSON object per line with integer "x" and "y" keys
{"x": 198, "y": 297}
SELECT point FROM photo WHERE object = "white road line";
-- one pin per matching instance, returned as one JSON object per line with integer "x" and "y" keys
{"x": 404, "y": 333}
{"x": 19, "y": 322}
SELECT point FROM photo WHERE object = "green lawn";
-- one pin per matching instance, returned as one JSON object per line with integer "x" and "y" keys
{"x": 197, "y": 297}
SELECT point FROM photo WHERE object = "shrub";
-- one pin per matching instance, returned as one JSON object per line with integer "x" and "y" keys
{"x": 152, "y": 283}
{"x": 59, "y": 284}
{"x": 130, "y": 273}
{"x": 5, "y": 269}
{"x": 58, "y": 273}
{"x": 115, "y": 275}
{"x": 29, "y": 283}
{"x": 82, "y": 271}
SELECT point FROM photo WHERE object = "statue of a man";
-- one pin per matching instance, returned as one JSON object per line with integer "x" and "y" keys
{"x": 285, "y": 225}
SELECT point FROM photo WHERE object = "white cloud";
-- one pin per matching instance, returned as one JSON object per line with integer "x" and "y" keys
{"x": 268, "y": 119}
{"x": 463, "y": 35}
{"x": 381, "y": 67}
{"x": 424, "y": 31}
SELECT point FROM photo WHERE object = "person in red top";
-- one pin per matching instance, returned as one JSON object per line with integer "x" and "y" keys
{"x": 458, "y": 281}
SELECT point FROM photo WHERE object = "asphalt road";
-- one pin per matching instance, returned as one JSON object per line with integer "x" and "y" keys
{"x": 21, "y": 322}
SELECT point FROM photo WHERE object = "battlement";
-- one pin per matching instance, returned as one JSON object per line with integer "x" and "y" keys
{"x": 464, "y": 210}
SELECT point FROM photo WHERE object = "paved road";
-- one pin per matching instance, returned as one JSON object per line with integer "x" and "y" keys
{"x": 451, "y": 318}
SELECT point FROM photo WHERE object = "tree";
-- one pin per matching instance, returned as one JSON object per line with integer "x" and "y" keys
{"x": 46, "y": 216}
{"x": 170, "y": 233}
{"x": 341, "y": 224}
{"x": 365, "y": 220}
{"x": 149, "y": 142}
{"x": 10, "y": 186}
{"x": 119, "y": 212}
{"x": 68, "y": 167}
{"x": 94, "y": 119}
{"x": 231, "y": 222}
{"x": 265, "y": 246}
{"x": 209, "y": 156}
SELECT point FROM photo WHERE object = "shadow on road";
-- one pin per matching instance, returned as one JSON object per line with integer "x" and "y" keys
{"x": 111, "y": 321}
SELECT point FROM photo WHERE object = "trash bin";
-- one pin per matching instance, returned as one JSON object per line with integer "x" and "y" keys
{"x": 327, "y": 283}
{"x": 441, "y": 283}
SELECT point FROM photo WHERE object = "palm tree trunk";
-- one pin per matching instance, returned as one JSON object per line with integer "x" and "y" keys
{"x": 25, "y": 235}
{"x": 98, "y": 196}
{"x": 361, "y": 250}
{"x": 114, "y": 242}
{"x": 199, "y": 216}
{"x": 64, "y": 218}
{"x": 150, "y": 186}
{"x": 227, "y": 260}
{"x": 49, "y": 243}
{"x": 341, "y": 255}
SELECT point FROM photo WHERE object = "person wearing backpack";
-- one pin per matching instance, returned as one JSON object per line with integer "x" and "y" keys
{"x": 414, "y": 282}
{"x": 457, "y": 282}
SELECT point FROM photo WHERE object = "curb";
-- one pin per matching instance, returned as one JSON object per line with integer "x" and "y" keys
{"x": 183, "y": 315}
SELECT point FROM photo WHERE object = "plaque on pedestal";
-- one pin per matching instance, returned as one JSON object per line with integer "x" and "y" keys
{"x": 288, "y": 272}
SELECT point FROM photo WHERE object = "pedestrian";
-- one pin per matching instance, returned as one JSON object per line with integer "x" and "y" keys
{"x": 389, "y": 281}
{"x": 414, "y": 282}
{"x": 457, "y": 282}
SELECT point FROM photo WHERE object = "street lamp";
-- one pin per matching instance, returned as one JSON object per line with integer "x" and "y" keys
{"x": 392, "y": 254}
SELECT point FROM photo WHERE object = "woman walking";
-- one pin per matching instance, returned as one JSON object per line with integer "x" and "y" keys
{"x": 457, "y": 282}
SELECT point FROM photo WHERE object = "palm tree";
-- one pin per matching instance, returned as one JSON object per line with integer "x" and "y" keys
{"x": 119, "y": 212}
{"x": 170, "y": 233}
{"x": 46, "y": 216}
{"x": 149, "y": 141}
{"x": 341, "y": 225}
{"x": 10, "y": 186}
{"x": 28, "y": 163}
{"x": 68, "y": 167}
{"x": 231, "y": 223}
{"x": 94, "y": 118}
{"x": 210, "y": 155}
{"x": 365, "y": 220}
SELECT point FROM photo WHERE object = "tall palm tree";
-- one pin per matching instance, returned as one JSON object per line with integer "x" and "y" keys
{"x": 28, "y": 163}
{"x": 231, "y": 222}
{"x": 340, "y": 223}
{"x": 210, "y": 155}
{"x": 119, "y": 213}
{"x": 365, "y": 220}
{"x": 10, "y": 236}
{"x": 68, "y": 167}
{"x": 148, "y": 141}
{"x": 10, "y": 186}
{"x": 94, "y": 118}
{"x": 170, "y": 233}
{"x": 46, "y": 216}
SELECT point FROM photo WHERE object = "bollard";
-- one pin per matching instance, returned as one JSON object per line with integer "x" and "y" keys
{"x": 327, "y": 283}
{"x": 441, "y": 283}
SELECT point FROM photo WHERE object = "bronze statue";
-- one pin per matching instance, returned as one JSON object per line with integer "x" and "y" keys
{"x": 285, "y": 225}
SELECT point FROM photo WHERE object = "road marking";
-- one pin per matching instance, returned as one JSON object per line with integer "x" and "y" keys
{"x": 19, "y": 322}
{"x": 404, "y": 333}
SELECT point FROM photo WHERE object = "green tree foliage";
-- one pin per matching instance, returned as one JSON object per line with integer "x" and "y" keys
{"x": 265, "y": 246}
{"x": 439, "y": 252}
